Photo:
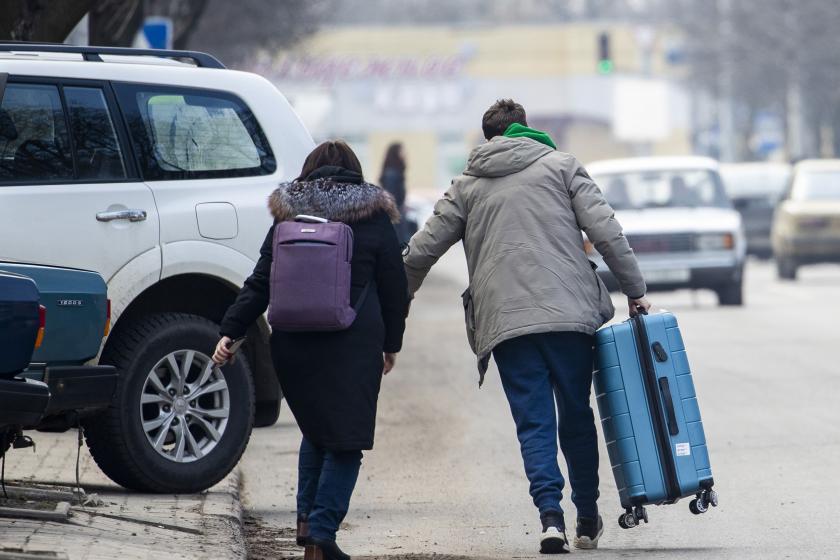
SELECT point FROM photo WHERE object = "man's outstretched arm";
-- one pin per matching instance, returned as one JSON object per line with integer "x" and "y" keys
{"x": 597, "y": 219}
{"x": 444, "y": 229}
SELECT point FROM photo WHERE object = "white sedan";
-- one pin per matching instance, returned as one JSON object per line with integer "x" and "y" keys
{"x": 678, "y": 220}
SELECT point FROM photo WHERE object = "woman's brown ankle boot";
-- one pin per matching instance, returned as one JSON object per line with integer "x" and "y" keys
{"x": 317, "y": 549}
{"x": 313, "y": 552}
{"x": 302, "y": 529}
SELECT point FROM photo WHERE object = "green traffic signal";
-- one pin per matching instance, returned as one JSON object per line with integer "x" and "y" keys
{"x": 605, "y": 59}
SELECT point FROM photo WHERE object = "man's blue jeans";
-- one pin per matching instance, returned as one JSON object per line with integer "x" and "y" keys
{"x": 536, "y": 369}
{"x": 326, "y": 480}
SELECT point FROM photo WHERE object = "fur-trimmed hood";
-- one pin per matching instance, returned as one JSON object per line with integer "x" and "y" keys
{"x": 333, "y": 200}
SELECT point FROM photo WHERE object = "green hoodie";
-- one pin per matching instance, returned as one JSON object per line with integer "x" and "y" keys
{"x": 517, "y": 130}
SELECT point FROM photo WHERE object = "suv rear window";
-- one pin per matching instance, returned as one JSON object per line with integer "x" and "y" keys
{"x": 34, "y": 145}
{"x": 98, "y": 154}
{"x": 186, "y": 133}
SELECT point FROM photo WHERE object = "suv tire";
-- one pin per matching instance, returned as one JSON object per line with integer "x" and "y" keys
{"x": 786, "y": 268}
{"x": 267, "y": 413}
{"x": 120, "y": 438}
{"x": 731, "y": 294}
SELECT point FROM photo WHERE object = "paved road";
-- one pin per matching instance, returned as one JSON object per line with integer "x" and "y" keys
{"x": 446, "y": 475}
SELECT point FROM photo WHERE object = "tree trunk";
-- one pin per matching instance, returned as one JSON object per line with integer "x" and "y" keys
{"x": 114, "y": 23}
{"x": 37, "y": 20}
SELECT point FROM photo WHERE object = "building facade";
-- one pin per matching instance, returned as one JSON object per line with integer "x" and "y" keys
{"x": 428, "y": 86}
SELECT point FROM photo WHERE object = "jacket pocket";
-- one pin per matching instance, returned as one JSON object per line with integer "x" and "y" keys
{"x": 469, "y": 317}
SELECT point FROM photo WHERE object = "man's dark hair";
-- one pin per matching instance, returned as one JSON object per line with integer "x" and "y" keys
{"x": 500, "y": 116}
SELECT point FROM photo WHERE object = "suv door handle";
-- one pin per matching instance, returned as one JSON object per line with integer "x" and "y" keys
{"x": 130, "y": 215}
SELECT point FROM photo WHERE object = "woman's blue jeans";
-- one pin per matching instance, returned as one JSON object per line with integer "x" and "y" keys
{"x": 326, "y": 480}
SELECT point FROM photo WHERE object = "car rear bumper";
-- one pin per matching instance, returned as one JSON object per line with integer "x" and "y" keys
{"x": 22, "y": 402}
{"x": 80, "y": 387}
{"x": 758, "y": 243}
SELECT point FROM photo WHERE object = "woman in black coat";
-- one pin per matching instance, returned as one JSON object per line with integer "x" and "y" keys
{"x": 331, "y": 380}
{"x": 393, "y": 181}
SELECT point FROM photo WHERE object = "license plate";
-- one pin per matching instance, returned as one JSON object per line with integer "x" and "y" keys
{"x": 672, "y": 276}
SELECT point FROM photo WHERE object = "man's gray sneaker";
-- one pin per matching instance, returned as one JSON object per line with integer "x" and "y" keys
{"x": 553, "y": 538}
{"x": 588, "y": 532}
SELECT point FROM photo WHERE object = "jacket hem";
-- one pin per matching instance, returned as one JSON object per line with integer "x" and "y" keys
{"x": 536, "y": 329}
{"x": 358, "y": 445}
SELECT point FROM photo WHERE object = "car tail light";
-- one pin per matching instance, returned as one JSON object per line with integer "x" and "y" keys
{"x": 107, "y": 318}
{"x": 42, "y": 325}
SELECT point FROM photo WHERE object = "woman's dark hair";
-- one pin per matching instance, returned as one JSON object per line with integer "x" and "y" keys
{"x": 331, "y": 152}
{"x": 500, "y": 116}
{"x": 394, "y": 158}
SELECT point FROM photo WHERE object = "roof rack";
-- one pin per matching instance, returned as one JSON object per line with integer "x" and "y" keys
{"x": 202, "y": 60}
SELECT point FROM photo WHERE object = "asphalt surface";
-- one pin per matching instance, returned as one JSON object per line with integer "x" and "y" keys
{"x": 446, "y": 476}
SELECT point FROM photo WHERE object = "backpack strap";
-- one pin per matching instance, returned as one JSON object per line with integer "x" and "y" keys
{"x": 362, "y": 297}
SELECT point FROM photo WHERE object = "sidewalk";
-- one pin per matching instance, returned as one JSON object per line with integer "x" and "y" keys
{"x": 128, "y": 526}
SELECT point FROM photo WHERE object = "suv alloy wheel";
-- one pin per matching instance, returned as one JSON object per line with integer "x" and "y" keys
{"x": 178, "y": 423}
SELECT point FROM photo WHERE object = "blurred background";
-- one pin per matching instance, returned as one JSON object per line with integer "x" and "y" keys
{"x": 724, "y": 116}
{"x": 752, "y": 84}
{"x": 738, "y": 80}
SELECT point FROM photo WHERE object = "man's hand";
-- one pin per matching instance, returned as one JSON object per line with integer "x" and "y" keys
{"x": 637, "y": 305}
{"x": 222, "y": 354}
{"x": 390, "y": 361}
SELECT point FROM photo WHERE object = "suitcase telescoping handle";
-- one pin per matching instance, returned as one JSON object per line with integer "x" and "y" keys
{"x": 668, "y": 401}
{"x": 664, "y": 385}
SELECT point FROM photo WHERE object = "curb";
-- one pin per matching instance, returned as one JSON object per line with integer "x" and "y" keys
{"x": 222, "y": 513}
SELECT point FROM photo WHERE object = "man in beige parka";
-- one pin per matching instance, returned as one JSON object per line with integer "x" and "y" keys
{"x": 534, "y": 300}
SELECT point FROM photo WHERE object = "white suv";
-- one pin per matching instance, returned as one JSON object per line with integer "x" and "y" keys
{"x": 154, "y": 173}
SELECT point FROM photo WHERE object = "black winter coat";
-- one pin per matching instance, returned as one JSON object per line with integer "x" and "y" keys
{"x": 331, "y": 380}
{"x": 393, "y": 181}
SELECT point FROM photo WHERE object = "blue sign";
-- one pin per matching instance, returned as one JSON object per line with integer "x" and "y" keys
{"x": 158, "y": 32}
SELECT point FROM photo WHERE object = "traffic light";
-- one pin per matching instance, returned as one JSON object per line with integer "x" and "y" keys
{"x": 605, "y": 61}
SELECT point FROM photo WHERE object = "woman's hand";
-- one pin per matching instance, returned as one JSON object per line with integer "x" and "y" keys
{"x": 222, "y": 354}
{"x": 390, "y": 361}
{"x": 636, "y": 305}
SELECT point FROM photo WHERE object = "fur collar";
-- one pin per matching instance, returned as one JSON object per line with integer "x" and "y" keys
{"x": 334, "y": 201}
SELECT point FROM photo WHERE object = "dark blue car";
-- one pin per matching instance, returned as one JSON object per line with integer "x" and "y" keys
{"x": 52, "y": 322}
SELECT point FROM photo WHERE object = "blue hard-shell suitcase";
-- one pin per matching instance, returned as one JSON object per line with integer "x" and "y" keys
{"x": 650, "y": 417}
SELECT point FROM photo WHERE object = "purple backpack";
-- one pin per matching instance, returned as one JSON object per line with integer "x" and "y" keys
{"x": 310, "y": 276}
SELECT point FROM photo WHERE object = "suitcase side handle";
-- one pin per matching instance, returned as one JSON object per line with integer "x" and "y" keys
{"x": 668, "y": 401}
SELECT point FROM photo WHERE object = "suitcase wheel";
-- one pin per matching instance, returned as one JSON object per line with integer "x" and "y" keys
{"x": 697, "y": 506}
{"x": 631, "y": 518}
{"x": 626, "y": 520}
{"x": 704, "y": 500}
